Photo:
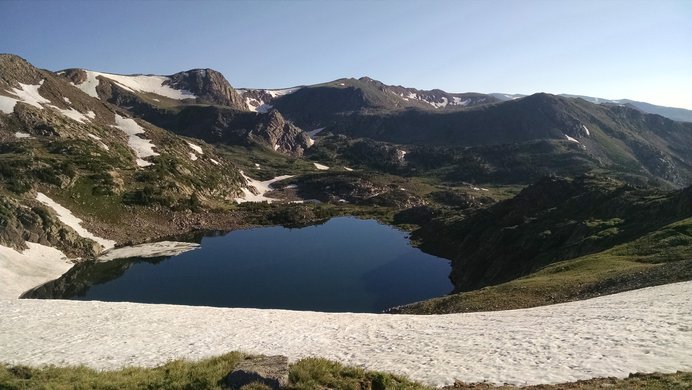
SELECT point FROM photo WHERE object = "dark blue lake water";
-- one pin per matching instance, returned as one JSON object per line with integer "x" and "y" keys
{"x": 346, "y": 264}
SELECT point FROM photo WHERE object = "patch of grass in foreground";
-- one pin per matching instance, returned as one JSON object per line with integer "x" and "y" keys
{"x": 177, "y": 374}
{"x": 678, "y": 380}
{"x": 306, "y": 374}
{"x": 310, "y": 373}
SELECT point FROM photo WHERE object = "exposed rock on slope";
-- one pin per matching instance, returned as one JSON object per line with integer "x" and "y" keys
{"x": 19, "y": 223}
{"x": 209, "y": 86}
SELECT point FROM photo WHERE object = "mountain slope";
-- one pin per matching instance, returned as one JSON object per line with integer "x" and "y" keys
{"x": 180, "y": 101}
{"x": 560, "y": 240}
{"x": 674, "y": 113}
{"x": 94, "y": 159}
{"x": 617, "y": 138}
{"x": 553, "y": 220}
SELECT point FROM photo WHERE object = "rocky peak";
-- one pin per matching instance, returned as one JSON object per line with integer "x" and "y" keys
{"x": 76, "y": 76}
{"x": 208, "y": 85}
{"x": 15, "y": 69}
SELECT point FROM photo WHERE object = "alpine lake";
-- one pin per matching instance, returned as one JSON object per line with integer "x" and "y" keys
{"x": 343, "y": 265}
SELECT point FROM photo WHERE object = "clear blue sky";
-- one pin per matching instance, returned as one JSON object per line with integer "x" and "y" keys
{"x": 640, "y": 50}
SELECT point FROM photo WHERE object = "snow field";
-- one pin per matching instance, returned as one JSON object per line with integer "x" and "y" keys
{"x": 645, "y": 330}
{"x": 29, "y": 94}
{"x": 138, "y": 83}
{"x": 22, "y": 271}
{"x": 262, "y": 188}
{"x": 26, "y": 93}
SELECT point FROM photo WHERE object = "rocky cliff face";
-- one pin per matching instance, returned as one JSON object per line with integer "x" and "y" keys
{"x": 282, "y": 135}
{"x": 209, "y": 86}
{"x": 216, "y": 124}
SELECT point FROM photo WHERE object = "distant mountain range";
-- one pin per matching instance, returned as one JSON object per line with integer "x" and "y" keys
{"x": 570, "y": 134}
{"x": 676, "y": 114}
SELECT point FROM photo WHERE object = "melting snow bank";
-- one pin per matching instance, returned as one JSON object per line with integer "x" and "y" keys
{"x": 321, "y": 167}
{"x": 22, "y": 271}
{"x": 65, "y": 216}
{"x": 141, "y": 83}
{"x": 261, "y": 188}
{"x": 154, "y": 249}
{"x": 142, "y": 147}
{"x": 26, "y": 93}
{"x": 638, "y": 331}
{"x": 571, "y": 139}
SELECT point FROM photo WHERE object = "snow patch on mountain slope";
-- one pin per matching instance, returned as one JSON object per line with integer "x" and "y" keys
{"x": 442, "y": 104}
{"x": 313, "y": 133}
{"x": 458, "y": 102}
{"x": 259, "y": 106}
{"x": 260, "y": 187}
{"x": 321, "y": 167}
{"x": 196, "y": 148}
{"x": 281, "y": 92}
{"x": 26, "y": 93}
{"x": 588, "y": 133}
{"x": 22, "y": 271}
{"x": 135, "y": 83}
{"x": 142, "y": 147}
{"x": 20, "y": 134}
{"x": 571, "y": 139}
{"x": 98, "y": 140}
{"x": 646, "y": 330}
{"x": 74, "y": 114}
{"x": 89, "y": 85}
{"x": 65, "y": 216}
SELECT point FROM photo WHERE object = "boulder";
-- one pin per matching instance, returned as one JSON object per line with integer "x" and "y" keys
{"x": 271, "y": 371}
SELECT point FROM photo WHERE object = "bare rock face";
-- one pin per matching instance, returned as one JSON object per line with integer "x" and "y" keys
{"x": 282, "y": 135}
{"x": 76, "y": 76}
{"x": 210, "y": 86}
{"x": 271, "y": 371}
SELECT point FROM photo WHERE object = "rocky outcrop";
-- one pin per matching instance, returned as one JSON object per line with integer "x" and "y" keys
{"x": 216, "y": 124}
{"x": 15, "y": 69}
{"x": 271, "y": 371}
{"x": 282, "y": 135}
{"x": 209, "y": 86}
{"x": 19, "y": 224}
